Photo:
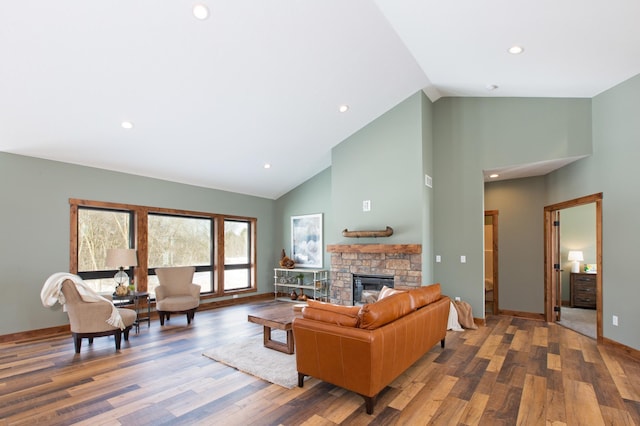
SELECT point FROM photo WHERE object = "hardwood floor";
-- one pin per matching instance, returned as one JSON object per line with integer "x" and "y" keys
{"x": 513, "y": 371}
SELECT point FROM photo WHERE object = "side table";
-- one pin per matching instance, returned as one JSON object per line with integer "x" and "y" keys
{"x": 136, "y": 298}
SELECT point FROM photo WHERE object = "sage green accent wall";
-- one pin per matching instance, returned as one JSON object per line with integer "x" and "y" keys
{"x": 427, "y": 193}
{"x": 382, "y": 163}
{"x": 610, "y": 170}
{"x": 34, "y": 226}
{"x": 474, "y": 134}
{"x": 313, "y": 196}
{"x": 577, "y": 232}
{"x": 520, "y": 203}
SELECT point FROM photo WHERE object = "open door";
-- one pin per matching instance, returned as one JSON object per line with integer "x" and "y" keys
{"x": 556, "y": 278}
{"x": 491, "y": 262}
{"x": 552, "y": 271}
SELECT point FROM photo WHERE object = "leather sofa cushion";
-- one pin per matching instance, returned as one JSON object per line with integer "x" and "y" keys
{"x": 335, "y": 314}
{"x": 422, "y": 296}
{"x": 384, "y": 311}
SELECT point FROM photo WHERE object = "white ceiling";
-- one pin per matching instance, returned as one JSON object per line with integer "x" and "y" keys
{"x": 261, "y": 81}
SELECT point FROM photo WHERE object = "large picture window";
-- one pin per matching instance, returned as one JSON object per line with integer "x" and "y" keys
{"x": 99, "y": 230}
{"x": 237, "y": 254}
{"x": 181, "y": 241}
{"x": 221, "y": 248}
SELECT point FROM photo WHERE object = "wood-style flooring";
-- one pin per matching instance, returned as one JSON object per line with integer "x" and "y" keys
{"x": 511, "y": 372}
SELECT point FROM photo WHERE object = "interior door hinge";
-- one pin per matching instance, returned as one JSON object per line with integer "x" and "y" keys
{"x": 556, "y": 223}
{"x": 556, "y": 266}
{"x": 556, "y": 309}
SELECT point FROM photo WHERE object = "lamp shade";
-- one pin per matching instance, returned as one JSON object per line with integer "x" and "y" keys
{"x": 121, "y": 258}
{"x": 575, "y": 256}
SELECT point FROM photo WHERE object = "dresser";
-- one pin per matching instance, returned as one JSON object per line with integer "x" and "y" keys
{"x": 583, "y": 290}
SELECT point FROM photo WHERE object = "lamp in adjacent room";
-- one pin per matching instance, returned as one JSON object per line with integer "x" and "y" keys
{"x": 576, "y": 257}
{"x": 121, "y": 258}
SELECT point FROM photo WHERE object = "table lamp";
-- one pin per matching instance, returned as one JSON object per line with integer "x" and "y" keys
{"x": 122, "y": 258}
{"x": 576, "y": 257}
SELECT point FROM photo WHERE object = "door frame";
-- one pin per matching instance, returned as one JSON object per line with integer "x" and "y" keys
{"x": 494, "y": 247}
{"x": 549, "y": 293}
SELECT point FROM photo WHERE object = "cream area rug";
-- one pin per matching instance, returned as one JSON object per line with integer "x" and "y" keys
{"x": 250, "y": 356}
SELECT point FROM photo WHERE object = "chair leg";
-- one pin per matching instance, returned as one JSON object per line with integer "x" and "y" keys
{"x": 77, "y": 342}
{"x": 126, "y": 334}
{"x": 190, "y": 314}
{"x": 161, "y": 316}
{"x": 118, "y": 337}
{"x": 91, "y": 340}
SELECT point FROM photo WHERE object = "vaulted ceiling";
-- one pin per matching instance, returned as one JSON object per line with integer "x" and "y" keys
{"x": 260, "y": 82}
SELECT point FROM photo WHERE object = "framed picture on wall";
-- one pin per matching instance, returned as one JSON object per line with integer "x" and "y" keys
{"x": 306, "y": 240}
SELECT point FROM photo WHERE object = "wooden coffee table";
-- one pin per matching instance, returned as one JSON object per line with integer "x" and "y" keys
{"x": 279, "y": 316}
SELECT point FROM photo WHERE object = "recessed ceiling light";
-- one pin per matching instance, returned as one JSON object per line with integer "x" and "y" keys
{"x": 493, "y": 176}
{"x": 127, "y": 125}
{"x": 201, "y": 11}
{"x": 516, "y": 50}
{"x": 343, "y": 108}
{"x": 267, "y": 166}
{"x": 491, "y": 87}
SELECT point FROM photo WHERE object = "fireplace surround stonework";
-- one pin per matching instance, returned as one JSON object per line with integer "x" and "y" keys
{"x": 402, "y": 261}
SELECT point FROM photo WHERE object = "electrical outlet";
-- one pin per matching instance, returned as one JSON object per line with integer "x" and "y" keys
{"x": 438, "y": 258}
{"x": 366, "y": 206}
{"x": 463, "y": 259}
{"x": 235, "y": 296}
{"x": 457, "y": 298}
{"x": 614, "y": 320}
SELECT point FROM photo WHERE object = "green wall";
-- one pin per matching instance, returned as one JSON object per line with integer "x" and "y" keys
{"x": 313, "y": 196}
{"x": 382, "y": 163}
{"x": 616, "y": 153}
{"x": 474, "y": 134}
{"x": 520, "y": 203}
{"x": 34, "y": 226}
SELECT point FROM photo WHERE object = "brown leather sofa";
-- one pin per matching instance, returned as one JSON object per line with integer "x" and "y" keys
{"x": 363, "y": 349}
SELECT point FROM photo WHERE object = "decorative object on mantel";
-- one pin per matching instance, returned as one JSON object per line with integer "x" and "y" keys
{"x": 286, "y": 262}
{"x": 368, "y": 234}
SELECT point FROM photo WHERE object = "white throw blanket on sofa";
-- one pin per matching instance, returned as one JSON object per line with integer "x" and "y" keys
{"x": 52, "y": 293}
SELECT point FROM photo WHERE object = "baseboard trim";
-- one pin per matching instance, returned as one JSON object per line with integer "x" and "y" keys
{"x": 34, "y": 334}
{"x": 633, "y": 353}
{"x": 520, "y": 314}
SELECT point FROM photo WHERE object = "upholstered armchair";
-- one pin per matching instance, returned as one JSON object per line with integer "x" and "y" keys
{"x": 176, "y": 292}
{"x": 89, "y": 319}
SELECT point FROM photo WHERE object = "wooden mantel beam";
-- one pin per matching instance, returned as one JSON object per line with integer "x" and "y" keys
{"x": 375, "y": 248}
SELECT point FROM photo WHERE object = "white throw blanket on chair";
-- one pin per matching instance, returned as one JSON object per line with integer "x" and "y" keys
{"x": 52, "y": 293}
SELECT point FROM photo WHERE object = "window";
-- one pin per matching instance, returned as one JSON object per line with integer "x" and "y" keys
{"x": 181, "y": 241}
{"x": 99, "y": 230}
{"x": 237, "y": 254}
{"x": 222, "y": 248}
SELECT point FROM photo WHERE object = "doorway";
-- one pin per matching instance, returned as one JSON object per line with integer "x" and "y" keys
{"x": 554, "y": 255}
{"x": 491, "y": 262}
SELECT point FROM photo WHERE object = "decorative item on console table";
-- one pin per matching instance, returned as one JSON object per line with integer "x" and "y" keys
{"x": 286, "y": 261}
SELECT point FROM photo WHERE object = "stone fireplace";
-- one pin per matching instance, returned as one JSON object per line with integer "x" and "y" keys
{"x": 401, "y": 261}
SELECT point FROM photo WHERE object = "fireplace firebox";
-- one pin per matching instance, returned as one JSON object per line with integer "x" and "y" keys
{"x": 366, "y": 287}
